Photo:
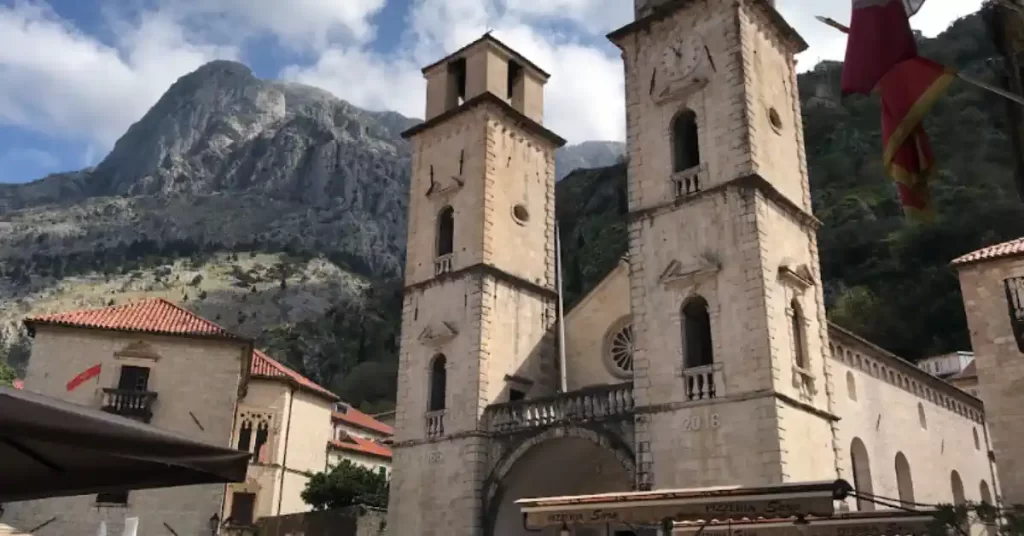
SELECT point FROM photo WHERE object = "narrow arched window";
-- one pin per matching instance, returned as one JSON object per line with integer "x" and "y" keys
{"x": 799, "y": 339}
{"x": 922, "y": 418}
{"x": 685, "y": 145}
{"x": 957, "y": 486}
{"x": 438, "y": 382}
{"x": 904, "y": 482}
{"x": 851, "y": 386}
{"x": 861, "y": 466}
{"x": 697, "y": 333}
{"x": 445, "y": 231}
{"x": 245, "y": 435}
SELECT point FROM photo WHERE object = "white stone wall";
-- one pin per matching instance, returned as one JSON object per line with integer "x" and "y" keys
{"x": 587, "y": 327}
{"x": 192, "y": 377}
{"x": 894, "y": 407}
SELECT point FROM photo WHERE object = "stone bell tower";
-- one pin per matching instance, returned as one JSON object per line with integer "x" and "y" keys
{"x": 730, "y": 379}
{"x": 480, "y": 293}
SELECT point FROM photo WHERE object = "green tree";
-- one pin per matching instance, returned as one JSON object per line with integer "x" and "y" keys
{"x": 959, "y": 519}
{"x": 7, "y": 375}
{"x": 346, "y": 484}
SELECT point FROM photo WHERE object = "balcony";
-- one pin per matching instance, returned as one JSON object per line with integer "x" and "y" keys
{"x": 128, "y": 403}
{"x": 704, "y": 383}
{"x": 435, "y": 424}
{"x": 590, "y": 404}
{"x": 443, "y": 264}
{"x": 1015, "y": 301}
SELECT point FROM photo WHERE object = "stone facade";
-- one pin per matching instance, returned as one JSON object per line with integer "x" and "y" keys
{"x": 704, "y": 359}
{"x": 991, "y": 311}
{"x": 480, "y": 298}
{"x": 197, "y": 382}
{"x": 299, "y": 425}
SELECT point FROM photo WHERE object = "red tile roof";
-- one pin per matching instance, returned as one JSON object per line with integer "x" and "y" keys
{"x": 153, "y": 315}
{"x": 263, "y": 366}
{"x": 1012, "y": 248}
{"x": 354, "y": 417}
{"x": 362, "y": 446}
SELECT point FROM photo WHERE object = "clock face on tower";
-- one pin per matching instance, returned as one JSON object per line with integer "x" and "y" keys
{"x": 681, "y": 56}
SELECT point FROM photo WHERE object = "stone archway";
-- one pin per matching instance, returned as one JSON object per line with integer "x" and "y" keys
{"x": 559, "y": 461}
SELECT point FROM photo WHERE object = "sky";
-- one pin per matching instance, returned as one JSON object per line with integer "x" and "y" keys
{"x": 75, "y": 74}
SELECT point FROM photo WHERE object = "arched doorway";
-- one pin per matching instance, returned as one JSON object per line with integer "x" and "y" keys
{"x": 556, "y": 465}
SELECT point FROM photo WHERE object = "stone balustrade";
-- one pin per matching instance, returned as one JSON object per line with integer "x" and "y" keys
{"x": 592, "y": 403}
{"x": 435, "y": 424}
{"x": 704, "y": 383}
{"x": 443, "y": 264}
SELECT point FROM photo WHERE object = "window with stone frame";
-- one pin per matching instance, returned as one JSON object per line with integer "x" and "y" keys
{"x": 446, "y": 231}
{"x": 243, "y": 509}
{"x": 697, "y": 342}
{"x": 254, "y": 429}
{"x": 438, "y": 383}
{"x": 685, "y": 142}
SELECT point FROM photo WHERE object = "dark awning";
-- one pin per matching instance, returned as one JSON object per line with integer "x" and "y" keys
{"x": 707, "y": 504}
{"x": 53, "y": 448}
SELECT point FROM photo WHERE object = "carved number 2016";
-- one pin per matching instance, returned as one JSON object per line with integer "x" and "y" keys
{"x": 694, "y": 423}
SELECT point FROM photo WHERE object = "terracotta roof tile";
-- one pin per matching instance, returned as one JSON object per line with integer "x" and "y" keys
{"x": 357, "y": 418}
{"x": 1012, "y": 248}
{"x": 153, "y": 315}
{"x": 263, "y": 366}
{"x": 362, "y": 446}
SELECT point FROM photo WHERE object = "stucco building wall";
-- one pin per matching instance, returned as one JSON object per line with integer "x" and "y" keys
{"x": 192, "y": 378}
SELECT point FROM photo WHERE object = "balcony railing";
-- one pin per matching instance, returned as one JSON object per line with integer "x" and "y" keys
{"x": 704, "y": 383}
{"x": 128, "y": 403}
{"x": 435, "y": 424}
{"x": 1015, "y": 301}
{"x": 443, "y": 264}
{"x": 592, "y": 403}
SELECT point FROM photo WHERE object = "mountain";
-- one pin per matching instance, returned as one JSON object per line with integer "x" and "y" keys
{"x": 230, "y": 180}
{"x": 279, "y": 211}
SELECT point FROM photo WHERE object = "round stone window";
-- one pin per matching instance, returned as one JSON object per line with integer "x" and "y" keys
{"x": 774, "y": 119}
{"x": 520, "y": 214}
{"x": 618, "y": 349}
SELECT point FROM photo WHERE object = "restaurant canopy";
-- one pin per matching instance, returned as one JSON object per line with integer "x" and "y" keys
{"x": 728, "y": 511}
{"x": 733, "y": 503}
{"x": 53, "y": 448}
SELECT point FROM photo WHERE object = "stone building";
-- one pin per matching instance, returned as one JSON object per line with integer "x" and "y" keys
{"x": 285, "y": 421}
{"x": 704, "y": 358}
{"x": 154, "y": 361}
{"x": 992, "y": 283}
{"x": 361, "y": 439}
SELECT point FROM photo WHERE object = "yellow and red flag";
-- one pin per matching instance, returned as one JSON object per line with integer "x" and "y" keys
{"x": 879, "y": 38}
{"x": 908, "y": 92}
{"x": 881, "y": 55}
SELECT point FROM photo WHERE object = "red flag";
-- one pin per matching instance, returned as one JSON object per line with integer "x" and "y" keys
{"x": 83, "y": 377}
{"x": 879, "y": 38}
{"x": 908, "y": 91}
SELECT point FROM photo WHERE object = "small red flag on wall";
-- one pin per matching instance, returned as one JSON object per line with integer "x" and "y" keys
{"x": 84, "y": 376}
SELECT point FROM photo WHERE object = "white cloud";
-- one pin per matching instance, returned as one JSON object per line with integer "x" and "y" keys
{"x": 57, "y": 80}
{"x": 584, "y": 98}
{"x": 297, "y": 23}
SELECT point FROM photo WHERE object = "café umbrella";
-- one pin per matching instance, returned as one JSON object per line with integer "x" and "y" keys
{"x": 53, "y": 448}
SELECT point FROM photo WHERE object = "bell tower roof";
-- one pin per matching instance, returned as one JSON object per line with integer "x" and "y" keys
{"x": 486, "y": 70}
{"x": 651, "y": 11}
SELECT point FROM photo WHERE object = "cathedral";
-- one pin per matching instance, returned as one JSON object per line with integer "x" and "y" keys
{"x": 703, "y": 359}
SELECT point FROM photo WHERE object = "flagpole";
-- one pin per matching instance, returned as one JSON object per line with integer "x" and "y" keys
{"x": 974, "y": 82}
